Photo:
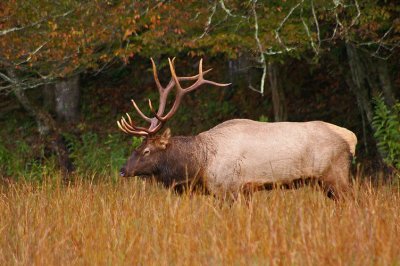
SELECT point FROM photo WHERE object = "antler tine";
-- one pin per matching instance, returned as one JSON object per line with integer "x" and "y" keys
{"x": 201, "y": 68}
{"x": 176, "y": 79}
{"x": 160, "y": 88}
{"x": 191, "y": 77}
{"x": 132, "y": 127}
{"x": 171, "y": 83}
{"x": 161, "y": 119}
{"x": 201, "y": 80}
{"x": 126, "y": 125}
{"x": 140, "y": 112}
{"x": 120, "y": 127}
{"x": 173, "y": 73}
{"x": 129, "y": 118}
{"x": 195, "y": 77}
{"x": 127, "y": 130}
{"x": 216, "y": 83}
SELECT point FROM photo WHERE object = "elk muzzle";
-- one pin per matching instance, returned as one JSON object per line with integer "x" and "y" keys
{"x": 122, "y": 172}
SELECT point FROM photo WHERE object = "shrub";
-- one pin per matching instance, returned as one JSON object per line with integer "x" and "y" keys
{"x": 386, "y": 124}
{"x": 94, "y": 155}
{"x": 21, "y": 162}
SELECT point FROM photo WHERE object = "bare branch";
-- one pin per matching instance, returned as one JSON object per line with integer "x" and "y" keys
{"x": 228, "y": 11}
{"x": 7, "y": 31}
{"x": 308, "y": 32}
{"x": 272, "y": 52}
{"x": 260, "y": 49}
{"x": 7, "y": 78}
{"x": 354, "y": 20}
{"x": 221, "y": 2}
{"x": 31, "y": 54}
{"x": 209, "y": 21}
{"x": 277, "y": 36}
{"x": 148, "y": 9}
{"x": 316, "y": 25}
{"x": 4, "y": 32}
{"x": 339, "y": 24}
{"x": 22, "y": 83}
{"x": 381, "y": 44}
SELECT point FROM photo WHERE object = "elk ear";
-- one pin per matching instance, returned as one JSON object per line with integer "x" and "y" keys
{"x": 165, "y": 137}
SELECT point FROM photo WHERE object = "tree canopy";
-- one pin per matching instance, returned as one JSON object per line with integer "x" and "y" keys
{"x": 45, "y": 40}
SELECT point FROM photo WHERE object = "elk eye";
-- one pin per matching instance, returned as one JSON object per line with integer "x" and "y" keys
{"x": 146, "y": 152}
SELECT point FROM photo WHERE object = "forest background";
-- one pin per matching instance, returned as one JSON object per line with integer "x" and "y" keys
{"x": 68, "y": 70}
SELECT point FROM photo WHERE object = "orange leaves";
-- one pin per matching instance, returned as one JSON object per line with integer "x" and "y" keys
{"x": 155, "y": 19}
{"x": 179, "y": 31}
{"x": 77, "y": 40}
{"x": 128, "y": 32}
{"x": 53, "y": 26}
{"x": 104, "y": 57}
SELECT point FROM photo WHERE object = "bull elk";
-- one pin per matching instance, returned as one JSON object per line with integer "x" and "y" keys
{"x": 237, "y": 154}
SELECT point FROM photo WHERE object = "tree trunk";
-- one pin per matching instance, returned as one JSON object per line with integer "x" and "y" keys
{"x": 369, "y": 76}
{"x": 351, "y": 85}
{"x": 49, "y": 103}
{"x": 359, "y": 82}
{"x": 47, "y": 127}
{"x": 361, "y": 86}
{"x": 278, "y": 97}
{"x": 385, "y": 81}
{"x": 67, "y": 99}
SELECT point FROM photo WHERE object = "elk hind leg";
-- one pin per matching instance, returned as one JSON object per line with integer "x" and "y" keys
{"x": 335, "y": 181}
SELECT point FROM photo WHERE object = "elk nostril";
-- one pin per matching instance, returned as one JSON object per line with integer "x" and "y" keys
{"x": 122, "y": 172}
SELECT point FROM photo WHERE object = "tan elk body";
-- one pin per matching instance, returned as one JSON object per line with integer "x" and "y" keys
{"x": 240, "y": 154}
{"x": 244, "y": 153}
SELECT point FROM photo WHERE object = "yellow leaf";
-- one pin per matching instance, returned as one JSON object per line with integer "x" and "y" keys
{"x": 127, "y": 33}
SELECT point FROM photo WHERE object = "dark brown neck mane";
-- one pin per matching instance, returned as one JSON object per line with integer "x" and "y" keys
{"x": 183, "y": 162}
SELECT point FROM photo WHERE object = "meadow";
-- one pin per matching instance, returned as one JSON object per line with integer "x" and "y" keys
{"x": 132, "y": 222}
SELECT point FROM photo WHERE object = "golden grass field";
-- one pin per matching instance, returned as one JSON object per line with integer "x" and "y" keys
{"x": 137, "y": 223}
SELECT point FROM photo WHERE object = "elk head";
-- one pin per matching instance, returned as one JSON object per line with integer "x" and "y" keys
{"x": 149, "y": 157}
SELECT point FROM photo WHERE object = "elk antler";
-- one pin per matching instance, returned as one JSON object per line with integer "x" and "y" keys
{"x": 159, "y": 119}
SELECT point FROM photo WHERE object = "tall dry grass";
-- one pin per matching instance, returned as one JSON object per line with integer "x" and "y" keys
{"x": 130, "y": 223}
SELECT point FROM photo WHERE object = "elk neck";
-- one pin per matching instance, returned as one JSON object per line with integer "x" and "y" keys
{"x": 184, "y": 161}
